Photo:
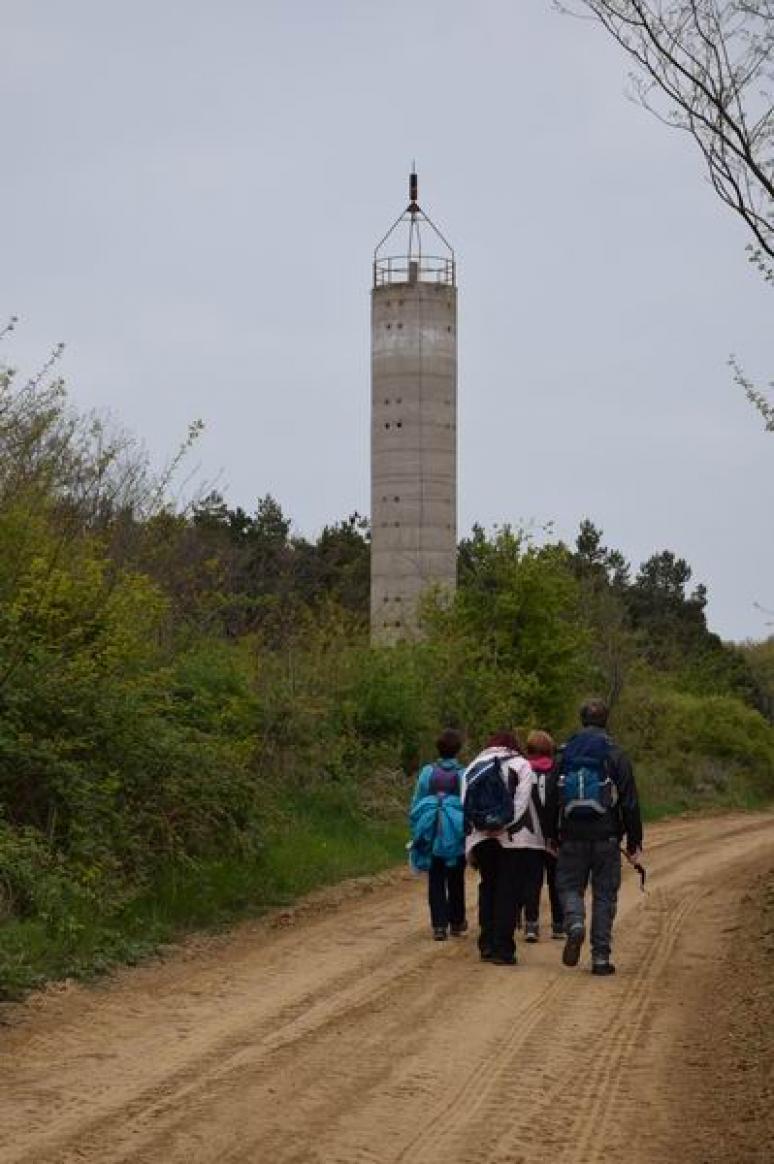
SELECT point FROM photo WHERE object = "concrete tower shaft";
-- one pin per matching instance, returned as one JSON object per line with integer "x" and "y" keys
{"x": 413, "y": 427}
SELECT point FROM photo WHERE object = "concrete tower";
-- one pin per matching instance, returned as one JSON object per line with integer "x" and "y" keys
{"x": 413, "y": 421}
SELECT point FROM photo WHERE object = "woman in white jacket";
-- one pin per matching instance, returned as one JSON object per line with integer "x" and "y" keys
{"x": 502, "y": 857}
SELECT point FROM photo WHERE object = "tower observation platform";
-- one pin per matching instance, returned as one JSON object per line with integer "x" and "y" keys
{"x": 413, "y": 421}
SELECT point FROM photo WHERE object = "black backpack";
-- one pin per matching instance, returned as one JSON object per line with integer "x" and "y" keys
{"x": 488, "y": 799}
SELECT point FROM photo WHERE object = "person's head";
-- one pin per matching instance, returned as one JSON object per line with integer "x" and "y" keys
{"x": 540, "y": 744}
{"x": 509, "y": 740}
{"x": 594, "y": 713}
{"x": 449, "y": 743}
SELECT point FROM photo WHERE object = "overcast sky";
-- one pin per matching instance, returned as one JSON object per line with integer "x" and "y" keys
{"x": 191, "y": 193}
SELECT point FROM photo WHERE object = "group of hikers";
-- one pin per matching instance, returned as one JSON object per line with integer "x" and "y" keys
{"x": 521, "y": 814}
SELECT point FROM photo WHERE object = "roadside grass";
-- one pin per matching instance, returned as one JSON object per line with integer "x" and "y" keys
{"x": 662, "y": 796}
{"x": 310, "y": 840}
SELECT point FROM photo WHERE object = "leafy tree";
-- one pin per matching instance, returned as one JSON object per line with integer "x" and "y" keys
{"x": 337, "y": 565}
{"x": 518, "y": 609}
{"x": 760, "y": 659}
{"x": 589, "y": 550}
{"x": 663, "y": 578}
{"x": 603, "y": 576}
{"x": 662, "y": 612}
{"x": 592, "y": 559}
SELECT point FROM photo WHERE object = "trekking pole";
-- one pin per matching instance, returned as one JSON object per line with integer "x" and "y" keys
{"x": 636, "y": 865}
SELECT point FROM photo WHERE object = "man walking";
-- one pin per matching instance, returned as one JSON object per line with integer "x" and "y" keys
{"x": 598, "y": 807}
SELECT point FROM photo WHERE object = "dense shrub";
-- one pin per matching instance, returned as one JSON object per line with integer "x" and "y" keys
{"x": 693, "y": 749}
{"x": 191, "y": 711}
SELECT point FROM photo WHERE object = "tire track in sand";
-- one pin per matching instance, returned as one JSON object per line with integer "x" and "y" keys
{"x": 357, "y": 1041}
{"x": 251, "y": 1050}
{"x": 606, "y": 1014}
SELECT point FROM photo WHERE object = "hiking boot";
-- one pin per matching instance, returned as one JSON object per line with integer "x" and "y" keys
{"x": 459, "y": 929}
{"x": 504, "y": 960}
{"x": 439, "y": 934}
{"x": 532, "y": 932}
{"x": 602, "y": 969}
{"x": 557, "y": 932}
{"x": 572, "y": 946}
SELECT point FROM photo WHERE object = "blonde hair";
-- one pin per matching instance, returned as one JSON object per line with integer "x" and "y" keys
{"x": 540, "y": 744}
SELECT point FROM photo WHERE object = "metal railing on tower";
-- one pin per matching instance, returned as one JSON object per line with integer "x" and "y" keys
{"x": 409, "y": 263}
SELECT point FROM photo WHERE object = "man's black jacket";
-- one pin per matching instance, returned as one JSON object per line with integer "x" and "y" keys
{"x": 622, "y": 820}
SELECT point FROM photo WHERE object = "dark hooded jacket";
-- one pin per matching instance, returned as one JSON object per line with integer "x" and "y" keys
{"x": 623, "y": 820}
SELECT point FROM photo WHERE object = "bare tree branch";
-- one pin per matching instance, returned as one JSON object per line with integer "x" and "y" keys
{"x": 707, "y": 67}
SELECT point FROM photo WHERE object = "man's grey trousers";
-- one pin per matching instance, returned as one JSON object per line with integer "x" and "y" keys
{"x": 597, "y": 862}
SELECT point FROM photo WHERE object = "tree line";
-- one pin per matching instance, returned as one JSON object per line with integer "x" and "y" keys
{"x": 179, "y": 687}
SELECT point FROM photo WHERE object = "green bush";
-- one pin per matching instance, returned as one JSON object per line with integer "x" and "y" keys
{"x": 692, "y": 750}
{"x": 193, "y": 722}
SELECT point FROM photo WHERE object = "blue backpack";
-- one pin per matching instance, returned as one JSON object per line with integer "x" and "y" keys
{"x": 586, "y": 787}
{"x": 437, "y": 822}
{"x": 488, "y": 799}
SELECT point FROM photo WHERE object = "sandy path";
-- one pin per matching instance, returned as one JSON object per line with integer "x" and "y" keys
{"x": 347, "y": 1037}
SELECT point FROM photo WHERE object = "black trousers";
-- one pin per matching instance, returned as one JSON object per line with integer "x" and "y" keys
{"x": 510, "y": 880}
{"x": 446, "y": 893}
{"x": 530, "y": 864}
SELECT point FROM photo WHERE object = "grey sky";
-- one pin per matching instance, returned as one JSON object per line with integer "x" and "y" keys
{"x": 191, "y": 193}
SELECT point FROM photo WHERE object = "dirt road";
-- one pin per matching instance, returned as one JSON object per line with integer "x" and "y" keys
{"x": 342, "y": 1035}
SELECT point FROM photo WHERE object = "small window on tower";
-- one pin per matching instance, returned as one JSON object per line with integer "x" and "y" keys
{"x": 387, "y": 424}
{"x": 389, "y": 325}
{"x": 399, "y": 424}
{"x": 400, "y": 325}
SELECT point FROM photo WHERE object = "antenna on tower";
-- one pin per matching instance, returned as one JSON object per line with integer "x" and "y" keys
{"x": 413, "y": 189}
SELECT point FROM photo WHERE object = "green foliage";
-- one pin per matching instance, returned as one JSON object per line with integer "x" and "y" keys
{"x": 760, "y": 660}
{"x": 256, "y": 576}
{"x": 193, "y": 722}
{"x": 694, "y": 750}
{"x": 518, "y": 612}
